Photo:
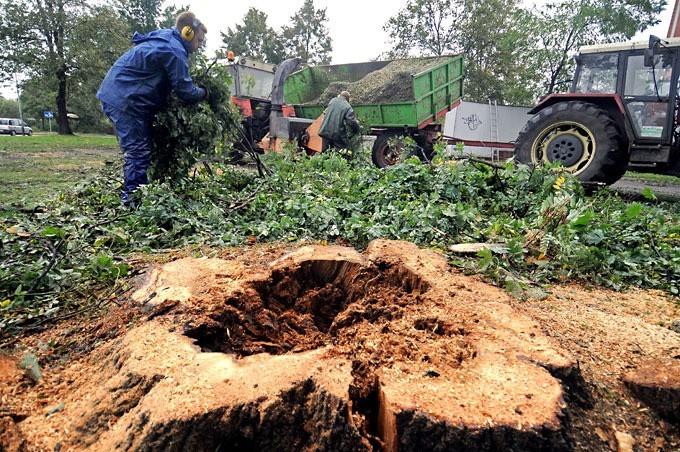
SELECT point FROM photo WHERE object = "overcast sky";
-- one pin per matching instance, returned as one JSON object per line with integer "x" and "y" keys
{"x": 355, "y": 26}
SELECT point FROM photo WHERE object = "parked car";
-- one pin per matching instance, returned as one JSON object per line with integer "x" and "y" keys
{"x": 14, "y": 126}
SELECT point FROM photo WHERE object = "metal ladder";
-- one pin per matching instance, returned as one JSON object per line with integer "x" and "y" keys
{"x": 493, "y": 129}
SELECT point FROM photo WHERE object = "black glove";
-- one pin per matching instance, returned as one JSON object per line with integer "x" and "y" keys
{"x": 210, "y": 98}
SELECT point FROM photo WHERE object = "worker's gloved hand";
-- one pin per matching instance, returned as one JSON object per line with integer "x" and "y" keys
{"x": 210, "y": 98}
{"x": 208, "y": 95}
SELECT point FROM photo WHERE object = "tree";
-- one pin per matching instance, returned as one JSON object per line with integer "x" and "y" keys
{"x": 66, "y": 77}
{"x": 479, "y": 29}
{"x": 140, "y": 15}
{"x": 486, "y": 38}
{"x": 307, "y": 37}
{"x": 254, "y": 39}
{"x": 144, "y": 16}
{"x": 97, "y": 44}
{"x": 9, "y": 108}
{"x": 169, "y": 15}
{"x": 514, "y": 55}
{"x": 424, "y": 27}
{"x": 37, "y": 36}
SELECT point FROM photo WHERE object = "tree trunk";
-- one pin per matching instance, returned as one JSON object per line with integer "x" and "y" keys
{"x": 62, "y": 113}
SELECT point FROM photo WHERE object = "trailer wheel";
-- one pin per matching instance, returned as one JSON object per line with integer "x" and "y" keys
{"x": 581, "y": 136}
{"x": 390, "y": 148}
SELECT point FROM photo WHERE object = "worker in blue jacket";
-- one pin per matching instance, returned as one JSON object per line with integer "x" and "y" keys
{"x": 138, "y": 86}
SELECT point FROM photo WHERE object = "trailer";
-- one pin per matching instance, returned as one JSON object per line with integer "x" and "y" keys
{"x": 424, "y": 96}
{"x": 486, "y": 130}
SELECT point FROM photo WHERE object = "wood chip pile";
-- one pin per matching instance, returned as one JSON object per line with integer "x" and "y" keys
{"x": 392, "y": 83}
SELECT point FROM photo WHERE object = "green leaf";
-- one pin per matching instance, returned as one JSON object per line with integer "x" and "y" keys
{"x": 583, "y": 220}
{"x": 648, "y": 194}
{"x": 485, "y": 259}
{"x": 51, "y": 231}
{"x": 634, "y": 210}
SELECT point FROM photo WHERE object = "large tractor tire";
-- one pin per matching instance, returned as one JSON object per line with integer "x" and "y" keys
{"x": 390, "y": 148}
{"x": 581, "y": 136}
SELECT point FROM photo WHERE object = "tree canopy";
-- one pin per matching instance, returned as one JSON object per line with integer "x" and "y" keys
{"x": 424, "y": 27}
{"x": 512, "y": 54}
{"x": 37, "y": 39}
{"x": 307, "y": 37}
{"x": 254, "y": 38}
{"x": 556, "y": 32}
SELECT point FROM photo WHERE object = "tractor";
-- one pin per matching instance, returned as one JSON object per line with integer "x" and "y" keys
{"x": 620, "y": 113}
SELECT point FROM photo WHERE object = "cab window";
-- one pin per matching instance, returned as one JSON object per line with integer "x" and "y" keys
{"x": 597, "y": 74}
{"x": 646, "y": 94}
{"x": 647, "y": 81}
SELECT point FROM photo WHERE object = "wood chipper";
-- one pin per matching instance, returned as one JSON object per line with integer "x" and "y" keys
{"x": 391, "y": 98}
{"x": 251, "y": 86}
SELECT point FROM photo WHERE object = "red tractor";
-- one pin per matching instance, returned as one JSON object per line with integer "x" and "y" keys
{"x": 621, "y": 112}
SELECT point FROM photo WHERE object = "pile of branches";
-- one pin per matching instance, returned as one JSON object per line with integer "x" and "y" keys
{"x": 185, "y": 136}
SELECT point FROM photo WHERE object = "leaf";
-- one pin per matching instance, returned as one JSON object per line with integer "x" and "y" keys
{"x": 30, "y": 364}
{"x": 486, "y": 259}
{"x": 51, "y": 231}
{"x": 633, "y": 211}
{"x": 583, "y": 220}
{"x": 647, "y": 193}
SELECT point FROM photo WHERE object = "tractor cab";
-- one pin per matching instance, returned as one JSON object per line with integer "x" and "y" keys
{"x": 644, "y": 75}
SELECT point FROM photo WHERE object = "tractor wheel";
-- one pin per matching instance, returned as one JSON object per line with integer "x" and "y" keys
{"x": 390, "y": 149}
{"x": 579, "y": 135}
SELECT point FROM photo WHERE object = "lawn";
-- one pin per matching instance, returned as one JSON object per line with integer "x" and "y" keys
{"x": 36, "y": 167}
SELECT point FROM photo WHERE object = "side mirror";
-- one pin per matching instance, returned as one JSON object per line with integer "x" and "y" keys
{"x": 649, "y": 58}
{"x": 654, "y": 42}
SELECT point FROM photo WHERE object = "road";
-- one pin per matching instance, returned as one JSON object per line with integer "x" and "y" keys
{"x": 667, "y": 191}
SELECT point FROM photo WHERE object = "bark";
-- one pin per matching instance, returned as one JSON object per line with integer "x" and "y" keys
{"x": 62, "y": 112}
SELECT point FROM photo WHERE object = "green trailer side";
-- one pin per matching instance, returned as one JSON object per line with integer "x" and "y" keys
{"x": 434, "y": 92}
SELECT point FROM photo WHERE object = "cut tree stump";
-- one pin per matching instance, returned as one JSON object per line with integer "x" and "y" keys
{"x": 657, "y": 384}
{"x": 328, "y": 349}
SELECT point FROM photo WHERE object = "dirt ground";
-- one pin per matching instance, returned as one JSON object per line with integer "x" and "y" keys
{"x": 382, "y": 350}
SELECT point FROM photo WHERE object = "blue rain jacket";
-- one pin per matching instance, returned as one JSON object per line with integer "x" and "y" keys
{"x": 140, "y": 81}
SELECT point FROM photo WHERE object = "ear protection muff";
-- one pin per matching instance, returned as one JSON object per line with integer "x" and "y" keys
{"x": 189, "y": 31}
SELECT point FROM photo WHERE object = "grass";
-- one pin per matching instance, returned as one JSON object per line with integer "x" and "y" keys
{"x": 33, "y": 168}
{"x": 651, "y": 177}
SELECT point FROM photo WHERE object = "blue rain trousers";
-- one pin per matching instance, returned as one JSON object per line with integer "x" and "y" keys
{"x": 134, "y": 138}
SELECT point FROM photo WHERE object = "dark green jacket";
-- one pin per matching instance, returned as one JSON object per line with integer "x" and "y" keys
{"x": 339, "y": 124}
